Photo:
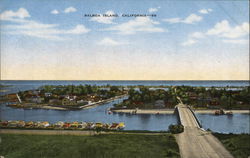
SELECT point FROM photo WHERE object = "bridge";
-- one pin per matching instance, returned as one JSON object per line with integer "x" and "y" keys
{"x": 195, "y": 142}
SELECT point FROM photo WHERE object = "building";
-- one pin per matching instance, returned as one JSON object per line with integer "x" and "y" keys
{"x": 47, "y": 94}
{"x": 35, "y": 99}
{"x": 159, "y": 104}
{"x": 68, "y": 102}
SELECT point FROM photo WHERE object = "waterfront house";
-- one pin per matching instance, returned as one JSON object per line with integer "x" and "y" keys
{"x": 81, "y": 102}
{"x": 159, "y": 104}
{"x": 35, "y": 99}
{"x": 54, "y": 101}
{"x": 12, "y": 97}
{"x": 68, "y": 102}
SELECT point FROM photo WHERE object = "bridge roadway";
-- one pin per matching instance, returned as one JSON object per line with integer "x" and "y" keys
{"x": 195, "y": 142}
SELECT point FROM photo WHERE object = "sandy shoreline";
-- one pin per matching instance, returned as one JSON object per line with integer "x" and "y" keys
{"x": 146, "y": 111}
{"x": 171, "y": 111}
{"x": 212, "y": 111}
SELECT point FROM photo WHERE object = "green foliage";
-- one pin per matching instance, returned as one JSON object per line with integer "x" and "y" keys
{"x": 175, "y": 129}
{"x": 145, "y": 98}
{"x": 79, "y": 90}
{"x": 237, "y": 144}
{"x": 106, "y": 146}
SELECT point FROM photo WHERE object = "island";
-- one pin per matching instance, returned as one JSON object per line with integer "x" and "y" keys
{"x": 157, "y": 100}
{"x": 64, "y": 97}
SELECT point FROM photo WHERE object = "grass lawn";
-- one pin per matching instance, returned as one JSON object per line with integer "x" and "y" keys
{"x": 237, "y": 144}
{"x": 99, "y": 146}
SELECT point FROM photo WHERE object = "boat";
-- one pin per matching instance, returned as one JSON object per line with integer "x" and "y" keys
{"x": 121, "y": 125}
{"x": 98, "y": 125}
{"x": 229, "y": 113}
{"x": 114, "y": 126}
{"x": 219, "y": 112}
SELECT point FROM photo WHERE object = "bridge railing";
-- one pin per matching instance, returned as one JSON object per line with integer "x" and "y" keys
{"x": 179, "y": 115}
{"x": 197, "y": 120}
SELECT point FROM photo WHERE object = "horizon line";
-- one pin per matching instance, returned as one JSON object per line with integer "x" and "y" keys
{"x": 118, "y": 80}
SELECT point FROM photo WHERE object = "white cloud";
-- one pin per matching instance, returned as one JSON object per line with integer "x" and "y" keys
{"x": 192, "y": 38}
{"x": 10, "y": 15}
{"x": 70, "y": 10}
{"x": 79, "y": 29}
{"x": 197, "y": 35}
{"x": 189, "y": 42}
{"x": 109, "y": 42}
{"x": 104, "y": 20}
{"x": 36, "y": 29}
{"x": 191, "y": 19}
{"x": 47, "y": 31}
{"x": 139, "y": 24}
{"x": 152, "y": 10}
{"x": 173, "y": 20}
{"x": 237, "y": 41}
{"x": 205, "y": 11}
{"x": 54, "y": 11}
{"x": 223, "y": 29}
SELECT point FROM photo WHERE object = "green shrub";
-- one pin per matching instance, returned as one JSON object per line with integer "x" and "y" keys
{"x": 175, "y": 129}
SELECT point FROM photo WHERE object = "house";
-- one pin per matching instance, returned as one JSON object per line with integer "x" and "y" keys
{"x": 12, "y": 97}
{"x": 36, "y": 92}
{"x": 82, "y": 102}
{"x": 214, "y": 103}
{"x": 192, "y": 95}
{"x": 159, "y": 104}
{"x": 47, "y": 94}
{"x": 54, "y": 101}
{"x": 36, "y": 99}
{"x": 70, "y": 97}
{"x": 69, "y": 102}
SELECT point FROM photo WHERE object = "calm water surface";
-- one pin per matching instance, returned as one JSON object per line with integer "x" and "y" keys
{"x": 237, "y": 123}
{"x": 97, "y": 114}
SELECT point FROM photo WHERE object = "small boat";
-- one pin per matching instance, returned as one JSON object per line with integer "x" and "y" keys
{"x": 121, "y": 125}
{"x": 219, "y": 112}
{"x": 98, "y": 125}
{"x": 109, "y": 112}
{"x": 229, "y": 113}
{"x": 114, "y": 126}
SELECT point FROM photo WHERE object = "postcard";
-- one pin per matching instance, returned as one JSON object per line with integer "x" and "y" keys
{"x": 92, "y": 78}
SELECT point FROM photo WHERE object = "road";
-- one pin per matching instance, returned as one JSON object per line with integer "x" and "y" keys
{"x": 195, "y": 142}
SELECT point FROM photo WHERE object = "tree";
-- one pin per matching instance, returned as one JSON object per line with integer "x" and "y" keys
{"x": 114, "y": 88}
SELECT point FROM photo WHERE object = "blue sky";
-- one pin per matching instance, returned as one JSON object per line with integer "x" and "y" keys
{"x": 187, "y": 40}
